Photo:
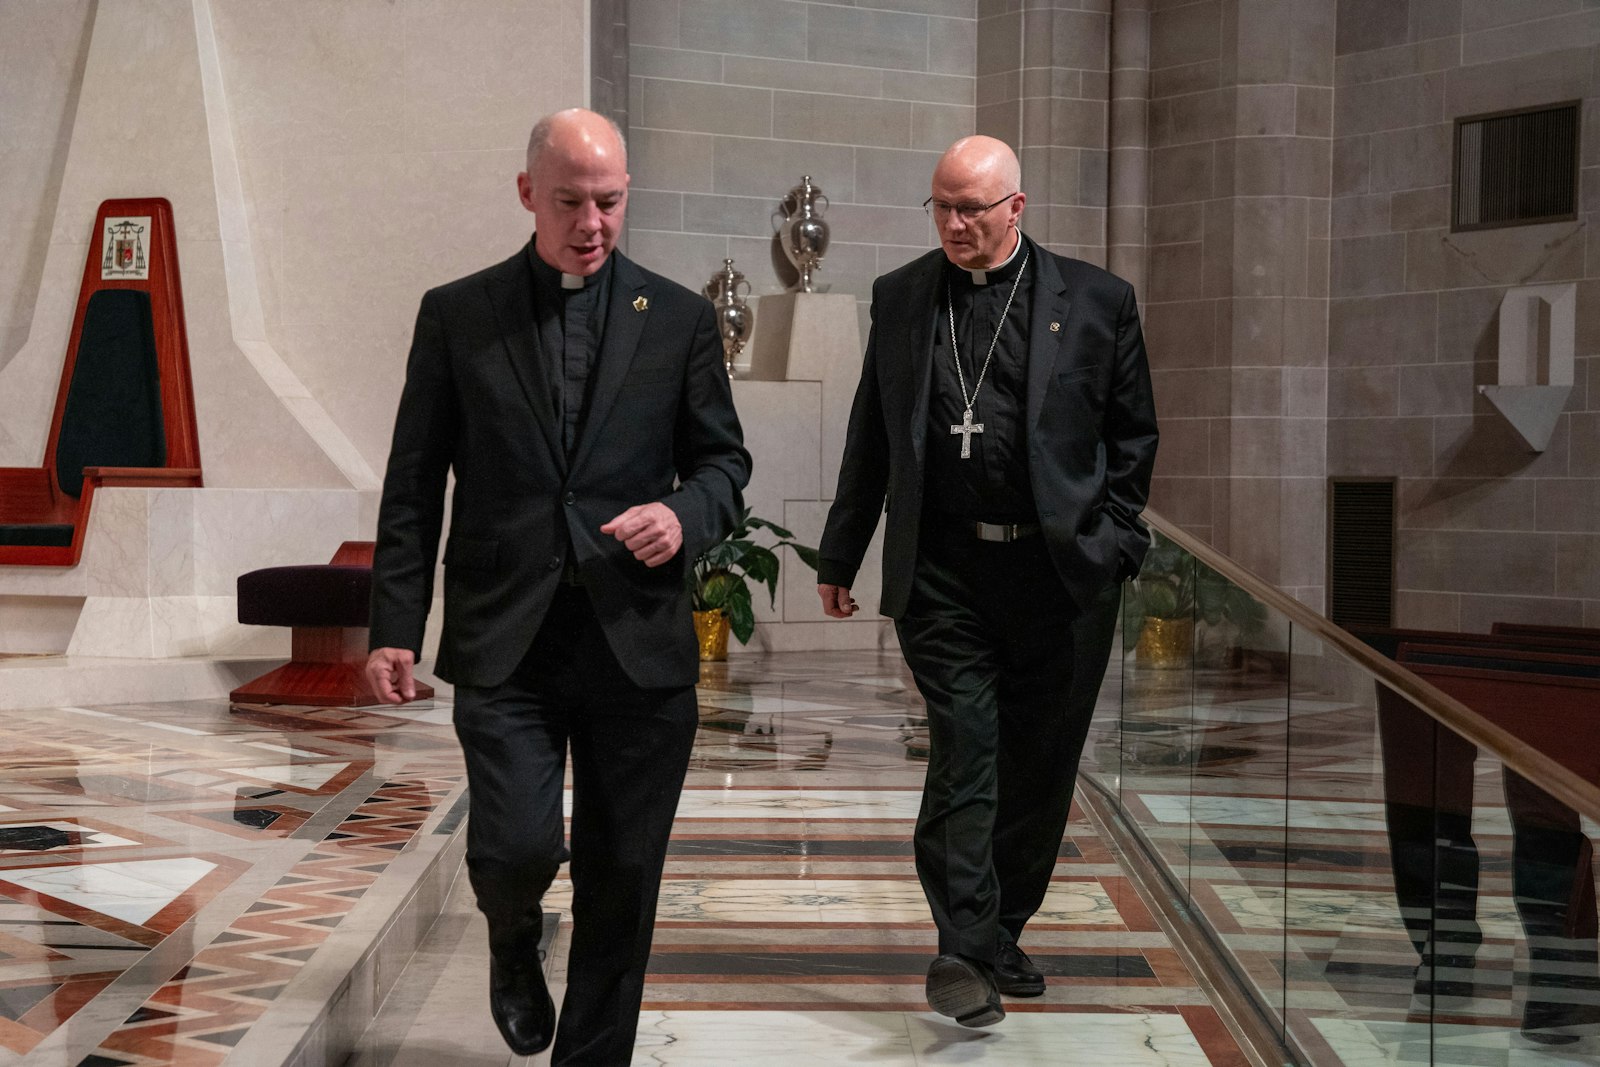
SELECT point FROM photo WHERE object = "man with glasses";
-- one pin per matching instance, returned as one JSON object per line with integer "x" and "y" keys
{"x": 1004, "y": 423}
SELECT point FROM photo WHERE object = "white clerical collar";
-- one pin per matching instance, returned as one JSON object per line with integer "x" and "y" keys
{"x": 981, "y": 277}
{"x": 571, "y": 281}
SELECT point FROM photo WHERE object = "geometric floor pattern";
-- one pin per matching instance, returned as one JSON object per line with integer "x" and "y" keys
{"x": 792, "y": 930}
{"x": 165, "y": 869}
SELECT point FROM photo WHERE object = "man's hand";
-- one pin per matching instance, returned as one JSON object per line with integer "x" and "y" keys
{"x": 836, "y": 602}
{"x": 389, "y": 671}
{"x": 650, "y": 531}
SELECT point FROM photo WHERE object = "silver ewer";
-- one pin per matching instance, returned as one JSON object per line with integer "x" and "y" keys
{"x": 804, "y": 233}
{"x": 734, "y": 318}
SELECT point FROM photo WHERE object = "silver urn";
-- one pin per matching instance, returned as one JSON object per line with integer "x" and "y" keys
{"x": 804, "y": 232}
{"x": 734, "y": 318}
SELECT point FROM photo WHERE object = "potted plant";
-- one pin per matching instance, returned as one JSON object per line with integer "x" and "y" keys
{"x": 1158, "y": 606}
{"x": 1225, "y": 618}
{"x": 719, "y": 582}
{"x": 1178, "y": 606}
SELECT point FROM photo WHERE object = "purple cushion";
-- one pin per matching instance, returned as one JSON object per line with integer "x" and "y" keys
{"x": 319, "y": 594}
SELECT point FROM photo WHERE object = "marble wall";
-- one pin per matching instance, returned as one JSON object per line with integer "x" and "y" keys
{"x": 1043, "y": 86}
{"x": 326, "y": 163}
{"x": 1236, "y": 296}
{"x": 40, "y": 63}
{"x": 1281, "y": 200}
{"x": 734, "y": 100}
{"x": 608, "y": 59}
{"x": 731, "y": 102}
{"x": 378, "y": 146}
{"x": 1488, "y": 529}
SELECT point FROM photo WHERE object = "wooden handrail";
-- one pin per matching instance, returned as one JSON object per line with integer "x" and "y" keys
{"x": 1559, "y": 781}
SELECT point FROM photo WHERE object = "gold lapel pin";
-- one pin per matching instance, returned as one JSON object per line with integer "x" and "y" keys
{"x": 1055, "y": 327}
{"x": 640, "y": 303}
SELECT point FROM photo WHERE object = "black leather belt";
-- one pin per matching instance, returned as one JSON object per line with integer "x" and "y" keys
{"x": 997, "y": 531}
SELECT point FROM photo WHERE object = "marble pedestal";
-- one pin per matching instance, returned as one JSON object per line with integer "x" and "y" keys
{"x": 793, "y": 392}
{"x": 157, "y": 578}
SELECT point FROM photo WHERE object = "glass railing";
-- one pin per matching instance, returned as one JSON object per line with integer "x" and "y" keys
{"x": 1371, "y": 860}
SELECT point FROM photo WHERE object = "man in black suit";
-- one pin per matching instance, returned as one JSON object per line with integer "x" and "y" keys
{"x": 1004, "y": 423}
{"x": 582, "y": 403}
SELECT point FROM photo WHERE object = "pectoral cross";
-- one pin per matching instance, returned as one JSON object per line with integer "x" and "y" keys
{"x": 966, "y": 430}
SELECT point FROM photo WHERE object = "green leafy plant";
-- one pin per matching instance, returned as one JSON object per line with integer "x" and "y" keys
{"x": 1165, "y": 587}
{"x": 1218, "y": 602}
{"x": 720, "y": 579}
{"x": 1174, "y": 585}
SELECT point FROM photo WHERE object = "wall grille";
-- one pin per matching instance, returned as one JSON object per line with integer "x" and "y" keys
{"x": 1361, "y": 552}
{"x": 1517, "y": 167}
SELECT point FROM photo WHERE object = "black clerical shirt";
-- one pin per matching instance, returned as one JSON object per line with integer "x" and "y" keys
{"x": 571, "y": 322}
{"x": 992, "y": 485}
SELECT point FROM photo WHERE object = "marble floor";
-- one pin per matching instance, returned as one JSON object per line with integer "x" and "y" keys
{"x": 792, "y": 931}
{"x": 181, "y": 883}
{"x": 172, "y": 873}
{"x": 167, "y": 871}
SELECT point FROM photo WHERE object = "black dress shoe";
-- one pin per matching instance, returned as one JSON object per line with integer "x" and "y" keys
{"x": 964, "y": 990}
{"x": 1015, "y": 974}
{"x": 521, "y": 1005}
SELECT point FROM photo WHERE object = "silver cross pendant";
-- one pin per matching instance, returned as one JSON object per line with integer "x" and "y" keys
{"x": 966, "y": 429}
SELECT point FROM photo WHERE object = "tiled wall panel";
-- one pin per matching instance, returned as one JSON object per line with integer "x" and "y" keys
{"x": 1488, "y": 529}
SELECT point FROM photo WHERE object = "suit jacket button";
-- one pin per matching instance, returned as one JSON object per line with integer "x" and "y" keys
{"x": 555, "y": 563}
{"x": 571, "y": 498}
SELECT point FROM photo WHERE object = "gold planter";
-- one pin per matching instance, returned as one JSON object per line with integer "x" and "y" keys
{"x": 1166, "y": 644}
{"x": 711, "y": 633}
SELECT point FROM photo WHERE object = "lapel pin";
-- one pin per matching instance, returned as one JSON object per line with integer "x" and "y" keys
{"x": 1055, "y": 327}
{"x": 640, "y": 303}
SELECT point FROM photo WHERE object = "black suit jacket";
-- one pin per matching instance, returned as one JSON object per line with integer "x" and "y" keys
{"x": 1091, "y": 427}
{"x": 660, "y": 427}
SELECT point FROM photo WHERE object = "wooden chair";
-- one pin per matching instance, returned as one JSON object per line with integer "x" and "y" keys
{"x": 326, "y": 606}
{"x": 1533, "y": 629}
{"x": 1552, "y": 702}
{"x": 124, "y": 412}
{"x": 1428, "y": 779}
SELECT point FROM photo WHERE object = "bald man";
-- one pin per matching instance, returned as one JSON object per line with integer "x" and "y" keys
{"x": 582, "y": 404}
{"x": 1004, "y": 424}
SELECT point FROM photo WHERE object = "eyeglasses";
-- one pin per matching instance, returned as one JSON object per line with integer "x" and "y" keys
{"x": 964, "y": 212}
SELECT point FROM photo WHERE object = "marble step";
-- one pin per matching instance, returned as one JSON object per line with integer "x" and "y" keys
{"x": 319, "y": 1020}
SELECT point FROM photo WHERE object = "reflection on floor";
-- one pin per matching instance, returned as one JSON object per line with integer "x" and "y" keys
{"x": 792, "y": 930}
{"x": 173, "y": 877}
{"x": 1275, "y": 824}
{"x": 170, "y": 874}
{"x": 167, "y": 870}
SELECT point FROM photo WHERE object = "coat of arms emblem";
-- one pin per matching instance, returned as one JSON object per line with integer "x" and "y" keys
{"x": 125, "y": 256}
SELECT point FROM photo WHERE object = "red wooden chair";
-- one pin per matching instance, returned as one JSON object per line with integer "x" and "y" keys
{"x": 1534, "y": 629}
{"x": 124, "y": 413}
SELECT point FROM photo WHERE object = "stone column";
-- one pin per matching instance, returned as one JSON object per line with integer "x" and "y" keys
{"x": 1128, "y": 192}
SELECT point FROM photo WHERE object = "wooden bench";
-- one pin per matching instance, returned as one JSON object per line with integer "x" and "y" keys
{"x": 1530, "y": 629}
{"x": 327, "y": 608}
{"x": 1551, "y": 700}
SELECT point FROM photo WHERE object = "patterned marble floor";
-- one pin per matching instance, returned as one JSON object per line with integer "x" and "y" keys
{"x": 792, "y": 929}
{"x": 168, "y": 871}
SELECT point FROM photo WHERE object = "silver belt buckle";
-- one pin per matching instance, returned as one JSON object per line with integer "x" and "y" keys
{"x": 993, "y": 531}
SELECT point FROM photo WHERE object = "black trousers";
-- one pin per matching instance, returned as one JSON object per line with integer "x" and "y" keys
{"x": 1009, "y": 668}
{"x": 1428, "y": 790}
{"x": 630, "y": 749}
